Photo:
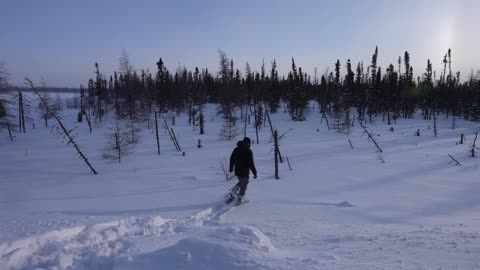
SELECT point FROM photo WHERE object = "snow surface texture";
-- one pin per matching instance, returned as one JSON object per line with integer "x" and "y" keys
{"x": 339, "y": 208}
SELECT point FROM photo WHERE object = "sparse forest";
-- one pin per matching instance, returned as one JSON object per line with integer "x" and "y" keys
{"x": 139, "y": 98}
{"x": 364, "y": 92}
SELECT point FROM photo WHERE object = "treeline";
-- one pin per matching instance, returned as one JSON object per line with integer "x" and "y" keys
{"x": 363, "y": 91}
{"x": 47, "y": 89}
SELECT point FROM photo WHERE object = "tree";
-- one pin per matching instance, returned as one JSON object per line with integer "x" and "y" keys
{"x": 124, "y": 64}
{"x": 118, "y": 143}
{"x": 229, "y": 129}
{"x": 224, "y": 71}
{"x": 273, "y": 89}
{"x": 46, "y": 108}
{"x": 68, "y": 134}
{"x": 297, "y": 96}
{"x": 162, "y": 81}
{"x": 5, "y": 117}
{"x": 24, "y": 109}
{"x": 101, "y": 87}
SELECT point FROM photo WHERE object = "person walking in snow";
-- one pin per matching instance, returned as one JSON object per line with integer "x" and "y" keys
{"x": 242, "y": 160}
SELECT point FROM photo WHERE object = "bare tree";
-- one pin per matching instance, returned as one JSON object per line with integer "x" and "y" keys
{"x": 474, "y": 147}
{"x": 46, "y": 108}
{"x": 24, "y": 110}
{"x": 224, "y": 63}
{"x": 229, "y": 129}
{"x": 224, "y": 169}
{"x": 118, "y": 144}
{"x": 134, "y": 132}
{"x": 67, "y": 133}
{"x": 370, "y": 136}
{"x": 5, "y": 117}
{"x": 125, "y": 67}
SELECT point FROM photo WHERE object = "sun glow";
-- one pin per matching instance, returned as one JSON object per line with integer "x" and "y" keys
{"x": 446, "y": 35}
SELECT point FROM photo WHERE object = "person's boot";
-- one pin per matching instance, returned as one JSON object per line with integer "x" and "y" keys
{"x": 240, "y": 200}
{"x": 233, "y": 194}
{"x": 235, "y": 191}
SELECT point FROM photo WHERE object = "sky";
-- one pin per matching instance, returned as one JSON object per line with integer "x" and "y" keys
{"x": 59, "y": 41}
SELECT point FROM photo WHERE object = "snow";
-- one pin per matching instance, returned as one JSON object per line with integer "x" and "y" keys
{"x": 339, "y": 208}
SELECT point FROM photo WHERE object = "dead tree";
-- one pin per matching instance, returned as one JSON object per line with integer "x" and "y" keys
{"x": 6, "y": 118}
{"x": 225, "y": 170}
{"x": 473, "y": 145}
{"x": 276, "y": 153}
{"x": 350, "y": 143}
{"x": 88, "y": 115}
{"x": 82, "y": 111}
{"x": 229, "y": 128}
{"x": 67, "y": 133}
{"x": 176, "y": 141}
{"x": 118, "y": 144}
{"x": 156, "y": 133}
{"x": 453, "y": 159}
{"x": 42, "y": 107}
{"x": 288, "y": 162}
{"x": 170, "y": 133}
{"x": 258, "y": 120}
{"x": 247, "y": 117}
{"x": 273, "y": 135}
{"x": 284, "y": 134}
{"x": 9, "y": 131}
{"x": 324, "y": 116}
{"x": 21, "y": 113}
{"x": 134, "y": 131}
{"x": 370, "y": 136}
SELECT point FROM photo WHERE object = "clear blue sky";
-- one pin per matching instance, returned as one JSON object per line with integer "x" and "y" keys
{"x": 61, "y": 40}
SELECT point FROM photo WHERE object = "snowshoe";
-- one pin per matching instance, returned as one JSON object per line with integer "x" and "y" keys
{"x": 241, "y": 200}
{"x": 233, "y": 194}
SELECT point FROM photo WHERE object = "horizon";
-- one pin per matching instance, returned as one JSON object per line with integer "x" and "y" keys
{"x": 61, "y": 41}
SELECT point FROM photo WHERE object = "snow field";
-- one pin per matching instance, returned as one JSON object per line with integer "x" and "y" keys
{"x": 339, "y": 208}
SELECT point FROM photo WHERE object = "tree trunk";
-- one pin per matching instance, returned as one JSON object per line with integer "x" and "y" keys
{"x": 156, "y": 131}
{"x": 117, "y": 142}
{"x": 10, "y": 132}
{"x": 273, "y": 134}
{"x": 276, "y": 154}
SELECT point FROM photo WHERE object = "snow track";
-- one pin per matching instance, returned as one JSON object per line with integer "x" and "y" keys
{"x": 201, "y": 241}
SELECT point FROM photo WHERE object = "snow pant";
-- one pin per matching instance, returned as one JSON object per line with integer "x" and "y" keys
{"x": 242, "y": 184}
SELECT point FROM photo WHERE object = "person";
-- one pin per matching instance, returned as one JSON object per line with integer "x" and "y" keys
{"x": 242, "y": 160}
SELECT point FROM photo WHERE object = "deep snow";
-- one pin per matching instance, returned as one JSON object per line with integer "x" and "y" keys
{"x": 337, "y": 209}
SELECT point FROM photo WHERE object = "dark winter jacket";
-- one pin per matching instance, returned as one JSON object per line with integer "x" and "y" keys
{"x": 242, "y": 160}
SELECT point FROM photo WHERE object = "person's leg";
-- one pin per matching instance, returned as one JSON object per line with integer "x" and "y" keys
{"x": 237, "y": 186}
{"x": 243, "y": 183}
{"x": 235, "y": 189}
{"x": 234, "y": 192}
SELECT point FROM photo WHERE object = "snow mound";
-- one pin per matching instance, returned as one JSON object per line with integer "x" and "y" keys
{"x": 65, "y": 248}
{"x": 200, "y": 244}
{"x": 229, "y": 247}
{"x": 345, "y": 204}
